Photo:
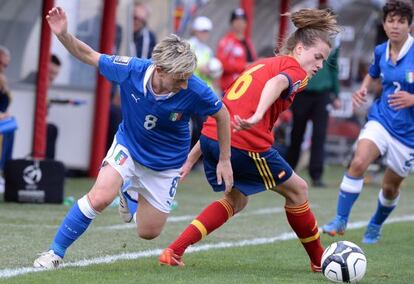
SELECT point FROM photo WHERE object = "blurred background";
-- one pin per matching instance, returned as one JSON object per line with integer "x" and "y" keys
{"x": 21, "y": 28}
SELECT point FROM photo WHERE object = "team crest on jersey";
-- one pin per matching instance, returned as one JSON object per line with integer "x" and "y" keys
{"x": 120, "y": 158}
{"x": 409, "y": 77}
{"x": 123, "y": 60}
{"x": 174, "y": 116}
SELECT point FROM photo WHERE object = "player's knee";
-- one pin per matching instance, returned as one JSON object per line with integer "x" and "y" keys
{"x": 237, "y": 200}
{"x": 358, "y": 166}
{"x": 148, "y": 234}
{"x": 390, "y": 191}
{"x": 298, "y": 194}
{"x": 98, "y": 202}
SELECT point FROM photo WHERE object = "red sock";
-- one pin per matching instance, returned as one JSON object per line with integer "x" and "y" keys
{"x": 211, "y": 218}
{"x": 304, "y": 224}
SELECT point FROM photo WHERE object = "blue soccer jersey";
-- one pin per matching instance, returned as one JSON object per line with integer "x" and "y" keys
{"x": 394, "y": 77}
{"x": 155, "y": 131}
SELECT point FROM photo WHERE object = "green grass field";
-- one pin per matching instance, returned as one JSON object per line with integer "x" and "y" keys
{"x": 254, "y": 247}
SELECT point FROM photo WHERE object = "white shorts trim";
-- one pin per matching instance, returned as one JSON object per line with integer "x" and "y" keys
{"x": 397, "y": 156}
{"x": 157, "y": 187}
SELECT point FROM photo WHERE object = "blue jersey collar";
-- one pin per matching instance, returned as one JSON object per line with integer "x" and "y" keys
{"x": 405, "y": 48}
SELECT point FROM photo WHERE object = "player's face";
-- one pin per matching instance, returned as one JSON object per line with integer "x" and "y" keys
{"x": 396, "y": 28}
{"x": 311, "y": 58}
{"x": 174, "y": 82}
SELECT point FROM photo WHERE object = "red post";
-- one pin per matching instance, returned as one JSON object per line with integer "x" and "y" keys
{"x": 284, "y": 7}
{"x": 248, "y": 7}
{"x": 42, "y": 84}
{"x": 103, "y": 89}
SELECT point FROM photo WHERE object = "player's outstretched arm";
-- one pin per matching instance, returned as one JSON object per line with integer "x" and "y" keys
{"x": 359, "y": 97}
{"x": 59, "y": 25}
{"x": 224, "y": 171}
{"x": 271, "y": 92}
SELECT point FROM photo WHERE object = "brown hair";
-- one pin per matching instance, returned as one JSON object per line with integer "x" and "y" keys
{"x": 312, "y": 25}
{"x": 401, "y": 8}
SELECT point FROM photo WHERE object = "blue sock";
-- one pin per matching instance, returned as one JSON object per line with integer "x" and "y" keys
{"x": 349, "y": 191}
{"x": 384, "y": 209}
{"x": 345, "y": 202}
{"x": 72, "y": 227}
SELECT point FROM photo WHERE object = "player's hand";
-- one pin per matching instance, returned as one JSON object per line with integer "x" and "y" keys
{"x": 400, "y": 100}
{"x": 185, "y": 170}
{"x": 359, "y": 97}
{"x": 57, "y": 21}
{"x": 241, "y": 123}
{"x": 224, "y": 173}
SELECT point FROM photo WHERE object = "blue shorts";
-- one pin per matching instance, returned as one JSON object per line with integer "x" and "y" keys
{"x": 253, "y": 172}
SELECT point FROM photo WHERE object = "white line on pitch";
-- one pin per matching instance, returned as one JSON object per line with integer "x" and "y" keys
{"x": 10, "y": 272}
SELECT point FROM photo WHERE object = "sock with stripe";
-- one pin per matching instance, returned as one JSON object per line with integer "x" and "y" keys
{"x": 75, "y": 223}
{"x": 349, "y": 191}
{"x": 211, "y": 218}
{"x": 384, "y": 208}
{"x": 303, "y": 223}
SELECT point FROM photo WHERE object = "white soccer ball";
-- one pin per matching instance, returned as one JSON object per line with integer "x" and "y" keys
{"x": 215, "y": 68}
{"x": 344, "y": 262}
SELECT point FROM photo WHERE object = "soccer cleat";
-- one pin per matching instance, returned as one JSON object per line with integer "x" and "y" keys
{"x": 315, "y": 268}
{"x": 123, "y": 209}
{"x": 48, "y": 260}
{"x": 336, "y": 226}
{"x": 168, "y": 257}
{"x": 372, "y": 234}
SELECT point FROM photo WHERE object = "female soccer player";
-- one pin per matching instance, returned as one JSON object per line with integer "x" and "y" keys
{"x": 389, "y": 131}
{"x": 255, "y": 100}
{"x": 158, "y": 97}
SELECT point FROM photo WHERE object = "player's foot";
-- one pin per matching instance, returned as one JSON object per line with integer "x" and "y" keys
{"x": 48, "y": 260}
{"x": 168, "y": 257}
{"x": 372, "y": 234}
{"x": 336, "y": 226}
{"x": 315, "y": 268}
{"x": 123, "y": 209}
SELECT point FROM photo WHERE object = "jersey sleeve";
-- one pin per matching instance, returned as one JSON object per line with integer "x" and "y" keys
{"x": 208, "y": 104}
{"x": 115, "y": 68}
{"x": 374, "y": 69}
{"x": 297, "y": 80}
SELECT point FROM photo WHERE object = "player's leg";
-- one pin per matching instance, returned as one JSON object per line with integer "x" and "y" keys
{"x": 399, "y": 160}
{"x": 210, "y": 219}
{"x": 215, "y": 214}
{"x": 371, "y": 144}
{"x": 301, "y": 218}
{"x": 81, "y": 215}
{"x": 388, "y": 198}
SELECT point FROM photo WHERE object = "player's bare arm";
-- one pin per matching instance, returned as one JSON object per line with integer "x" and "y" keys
{"x": 59, "y": 25}
{"x": 271, "y": 92}
{"x": 224, "y": 170}
{"x": 192, "y": 158}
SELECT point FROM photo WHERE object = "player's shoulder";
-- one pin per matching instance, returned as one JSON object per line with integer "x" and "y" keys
{"x": 381, "y": 48}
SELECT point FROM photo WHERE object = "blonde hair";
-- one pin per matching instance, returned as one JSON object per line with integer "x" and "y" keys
{"x": 312, "y": 25}
{"x": 174, "y": 55}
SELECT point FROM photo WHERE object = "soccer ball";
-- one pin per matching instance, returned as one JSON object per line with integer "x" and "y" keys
{"x": 344, "y": 262}
{"x": 215, "y": 68}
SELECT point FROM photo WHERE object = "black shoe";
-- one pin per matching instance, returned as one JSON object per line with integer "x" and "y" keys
{"x": 318, "y": 183}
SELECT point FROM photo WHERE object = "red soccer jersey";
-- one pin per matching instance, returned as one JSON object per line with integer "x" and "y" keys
{"x": 243, "y": 97}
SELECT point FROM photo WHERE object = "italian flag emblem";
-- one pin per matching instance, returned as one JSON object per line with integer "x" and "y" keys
{"x": 409, "y": 76}
{"x": 174, "y": 116}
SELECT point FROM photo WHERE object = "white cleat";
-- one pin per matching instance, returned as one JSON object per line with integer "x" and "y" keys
{"x": 48, "y": 260}
{"x": 123, "y": 210}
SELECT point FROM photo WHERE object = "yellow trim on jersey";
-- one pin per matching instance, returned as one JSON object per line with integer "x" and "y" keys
{"x": 303, "y": 83}
{"x": 264, "y": 170}
{"x": 200, "y": 226}
{"x": 310, "y": 239}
